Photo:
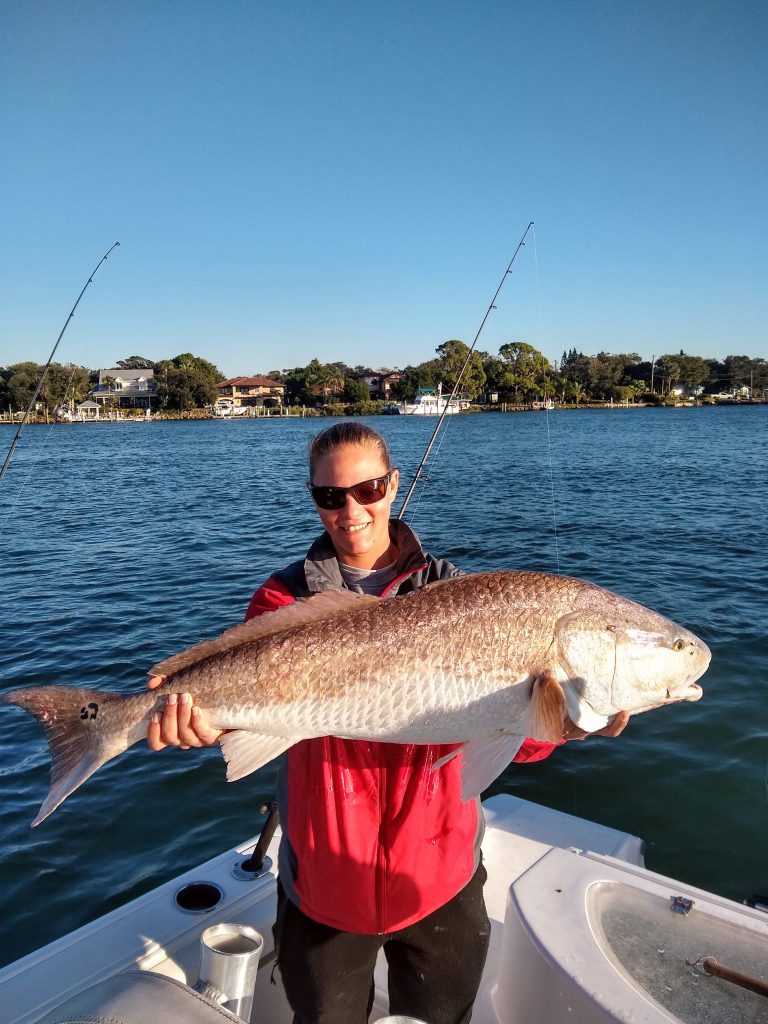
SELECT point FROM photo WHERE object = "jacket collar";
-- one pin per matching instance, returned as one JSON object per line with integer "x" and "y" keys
{"x": 321, "y": 565}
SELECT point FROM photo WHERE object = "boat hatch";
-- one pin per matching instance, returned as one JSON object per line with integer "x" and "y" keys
{"x": 650, "y": 946}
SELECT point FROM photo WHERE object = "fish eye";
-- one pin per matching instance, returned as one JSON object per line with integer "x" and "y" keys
{"x": 678, "y": 645}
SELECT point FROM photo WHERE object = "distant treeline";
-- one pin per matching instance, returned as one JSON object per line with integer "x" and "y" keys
{"x": 519, "y": 374}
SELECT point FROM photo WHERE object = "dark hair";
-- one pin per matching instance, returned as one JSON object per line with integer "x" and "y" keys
{"x": 348, "y": 432}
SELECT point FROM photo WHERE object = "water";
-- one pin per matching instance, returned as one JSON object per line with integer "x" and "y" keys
{"x": 123, "y": 543}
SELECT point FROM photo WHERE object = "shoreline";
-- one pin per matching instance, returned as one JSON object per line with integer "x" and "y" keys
{"x": 199, "y": 415}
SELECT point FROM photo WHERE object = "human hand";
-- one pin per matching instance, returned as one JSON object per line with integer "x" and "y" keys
{"x": 615, "y": 727}
{"x": 181, "y": 724}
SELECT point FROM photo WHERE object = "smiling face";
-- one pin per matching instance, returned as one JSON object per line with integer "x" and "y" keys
{"x": 360, "y": 533}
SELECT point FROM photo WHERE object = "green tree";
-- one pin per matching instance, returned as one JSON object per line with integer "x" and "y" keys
{"x": 742, "y": 371}
{"x": 573, "y": 391}
{"x": 65, "y": 384}
{"x": 452, "y": 356}
{"x": 307, "y": 385}
{"x": 186, "y": 382}
{"x": 135, "y": 363}
{"x": 636, "y": 388}
{"x": 574, "y": 366}
{"x": 691, "y": 372}
{"x": 525, "y": 370}
{"x": 22, "y": 381}
{"x": 341, "y": 370}
{"x": 494, "y": 369}
{"x": 606, "y": 373}
{"x": 759, "y": 375}
{"x": 355, "y": 392}
{"x": 425, "y": 375}
{"x": 4, "y": 399}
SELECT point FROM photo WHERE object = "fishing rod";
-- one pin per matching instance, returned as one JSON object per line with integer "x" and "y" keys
{"x": 435, "y": 432}
{"x": 44, "y": 374}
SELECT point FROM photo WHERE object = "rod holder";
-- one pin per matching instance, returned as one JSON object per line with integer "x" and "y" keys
{"x": 399, "y": 1019}
{"x": 229, "y": 960}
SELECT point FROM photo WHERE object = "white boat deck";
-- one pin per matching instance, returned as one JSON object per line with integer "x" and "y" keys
{"x": 548, "y": 959}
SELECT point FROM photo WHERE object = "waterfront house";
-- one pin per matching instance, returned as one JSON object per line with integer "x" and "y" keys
{"x": 254, "y": 391}
{"x": 380, "y": 382}
{"x": 387, "y": 380}
{"x": 125, "y": 389}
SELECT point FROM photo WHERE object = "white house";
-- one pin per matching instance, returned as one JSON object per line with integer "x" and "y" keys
{"x": 125, "y": 389}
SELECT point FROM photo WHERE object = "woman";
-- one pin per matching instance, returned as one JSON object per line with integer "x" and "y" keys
{"x": 378, "y": 849}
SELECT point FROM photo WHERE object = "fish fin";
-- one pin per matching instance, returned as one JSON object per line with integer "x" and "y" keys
{"x": 547, "y": 711}
{"x": 446, "y": 758}
{"x": 483, "y": 760}
{"x": 311, "y": 609}
{"x": 245, "y": 751}
{"x": 79, "y": 743}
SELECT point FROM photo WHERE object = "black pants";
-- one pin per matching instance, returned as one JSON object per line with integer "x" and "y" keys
{"x": 435, "y": 965}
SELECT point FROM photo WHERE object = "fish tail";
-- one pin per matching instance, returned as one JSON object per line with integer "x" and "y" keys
{"x": 547, "y": 709}
{"x": 82, "y": 730}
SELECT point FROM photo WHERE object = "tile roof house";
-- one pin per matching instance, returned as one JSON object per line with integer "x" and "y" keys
{"x": 251, "y": 391}
{"x": 379, "y": 382}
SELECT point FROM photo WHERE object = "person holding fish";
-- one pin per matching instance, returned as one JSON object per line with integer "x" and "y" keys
{"x": 379, "y": 849}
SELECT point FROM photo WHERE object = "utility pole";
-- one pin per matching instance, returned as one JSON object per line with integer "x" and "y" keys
{"x": 653, "y": 364}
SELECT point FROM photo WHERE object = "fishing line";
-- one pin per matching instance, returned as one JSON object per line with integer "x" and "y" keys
{"x": 552, "y": 493}
{"x": 25, "y": 481}
{"x": 426, "y": 478}
{"x": 546, "y": 412}
{"x": 435, "y": 432}
{"x": 47, "y": 366}
{"x": 32, "y": 468}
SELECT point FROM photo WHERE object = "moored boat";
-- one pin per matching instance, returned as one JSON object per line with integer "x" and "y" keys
{"x": 226, "y": 407}
{"x": 430, "y": 402}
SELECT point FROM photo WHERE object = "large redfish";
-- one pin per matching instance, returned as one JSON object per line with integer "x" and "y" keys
{"x": 483, "y": 660}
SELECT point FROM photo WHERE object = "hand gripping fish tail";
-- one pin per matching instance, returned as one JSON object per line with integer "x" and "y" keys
{"x": 481, "y": 661}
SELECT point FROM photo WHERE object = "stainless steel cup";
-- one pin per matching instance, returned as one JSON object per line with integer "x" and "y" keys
{"x": 399, "y": 1019}
{"x": 229, "y": 960}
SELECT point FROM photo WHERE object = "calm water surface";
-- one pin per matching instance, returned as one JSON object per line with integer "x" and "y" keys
{"x": 124, "y": 543}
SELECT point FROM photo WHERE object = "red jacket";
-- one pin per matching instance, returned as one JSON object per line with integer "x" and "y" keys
{"x": 373, "y": 839}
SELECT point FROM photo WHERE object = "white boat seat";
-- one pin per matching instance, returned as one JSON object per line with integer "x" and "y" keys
{"x": 139, "y": 997}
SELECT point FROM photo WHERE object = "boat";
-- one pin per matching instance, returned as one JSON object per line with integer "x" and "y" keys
{"x": 225, "y": 407}
{"x": 582, "y": 933}
{"x": 430, "y": 402}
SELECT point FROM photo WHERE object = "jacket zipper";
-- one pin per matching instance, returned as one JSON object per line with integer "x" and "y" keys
{"x": 403, "y": 576}
{"x": 381, "y": 863}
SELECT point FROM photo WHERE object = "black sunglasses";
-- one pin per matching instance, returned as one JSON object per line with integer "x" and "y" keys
{"x": 366, "y": 493}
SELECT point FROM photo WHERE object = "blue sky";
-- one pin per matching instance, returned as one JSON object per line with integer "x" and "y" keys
{"x": 349, "y": 180}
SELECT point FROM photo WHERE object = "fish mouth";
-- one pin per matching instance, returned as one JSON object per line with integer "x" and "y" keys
{"x": 684, "y": 691}
{"x": 687, "y": 691}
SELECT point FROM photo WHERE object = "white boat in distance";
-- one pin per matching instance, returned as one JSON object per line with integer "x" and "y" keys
{"x": 226, "y": 407}
{"x": 430, "y": 402}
